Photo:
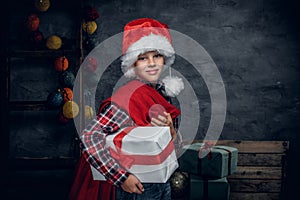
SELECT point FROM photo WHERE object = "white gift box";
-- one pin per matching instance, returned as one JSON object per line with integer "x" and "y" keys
{"x": 148, "y": 150}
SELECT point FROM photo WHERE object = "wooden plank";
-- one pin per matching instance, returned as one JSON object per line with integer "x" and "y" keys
{"x": 253, "y": 146}
{"x": 253, "y": 172}
{"x": 41, "y": 53}
{"x": 254, "y": 159}
{"x": 250, "y": 185}
{"x": 29, "y": 105}
{"x": 254, "y": 196}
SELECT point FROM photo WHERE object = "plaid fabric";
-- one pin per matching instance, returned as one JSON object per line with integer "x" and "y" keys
{"x": 93, "y": 137}
{"x": 111, "y": 119}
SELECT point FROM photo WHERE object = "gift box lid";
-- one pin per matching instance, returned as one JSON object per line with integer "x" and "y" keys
{"x": 219, "y": 162}
{"x": 149, "y": 140}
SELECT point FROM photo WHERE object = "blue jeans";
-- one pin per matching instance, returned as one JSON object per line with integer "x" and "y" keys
{"x": 152, "y": 191}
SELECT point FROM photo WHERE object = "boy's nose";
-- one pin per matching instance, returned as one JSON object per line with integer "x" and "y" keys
{"x": 151, "y": 62}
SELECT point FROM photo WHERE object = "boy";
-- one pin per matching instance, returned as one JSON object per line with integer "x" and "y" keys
{"x": 147, "y": 50}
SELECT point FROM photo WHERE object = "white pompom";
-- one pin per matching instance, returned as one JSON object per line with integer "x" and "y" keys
{"x": 174, "y": 85}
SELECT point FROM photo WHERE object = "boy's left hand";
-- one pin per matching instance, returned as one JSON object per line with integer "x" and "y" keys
{"x": 164, "y": 120}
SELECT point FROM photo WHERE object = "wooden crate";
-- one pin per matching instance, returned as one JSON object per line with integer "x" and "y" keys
{"x": 261, "y": 171}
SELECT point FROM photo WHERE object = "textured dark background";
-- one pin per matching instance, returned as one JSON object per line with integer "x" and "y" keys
{"x": 255, "y": 45}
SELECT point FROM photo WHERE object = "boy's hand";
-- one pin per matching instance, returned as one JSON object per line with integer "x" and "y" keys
{"x": 132, "y": 185}
{"x": 165, "y": 120}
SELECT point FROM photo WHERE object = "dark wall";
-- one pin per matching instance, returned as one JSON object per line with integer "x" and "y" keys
{"x": 255, "y": 45}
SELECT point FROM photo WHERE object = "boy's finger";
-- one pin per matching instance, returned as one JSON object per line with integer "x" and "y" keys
{"x": 162, "y": 118}
{"x": 140, "y": 187}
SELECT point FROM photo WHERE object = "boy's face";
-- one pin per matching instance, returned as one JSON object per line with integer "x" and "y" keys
{"x": 149, "y": 66}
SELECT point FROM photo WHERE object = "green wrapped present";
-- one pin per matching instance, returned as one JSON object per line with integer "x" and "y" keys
{"x": 203, "y": 189}
{"x": 220, "y": 162}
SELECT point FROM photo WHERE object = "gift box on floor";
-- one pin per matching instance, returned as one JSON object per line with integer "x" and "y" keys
{"x": 147, "y": 152}
{"x": 219, "y": 163}
{"x": 203, "y": 189}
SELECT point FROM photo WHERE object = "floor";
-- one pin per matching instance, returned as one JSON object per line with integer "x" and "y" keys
{"x": 37, "y": 185}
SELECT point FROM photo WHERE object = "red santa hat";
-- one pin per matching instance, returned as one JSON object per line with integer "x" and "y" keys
{"x": 143, "y": 35}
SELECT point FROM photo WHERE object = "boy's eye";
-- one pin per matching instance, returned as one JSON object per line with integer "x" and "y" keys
{"x": 142, "y": 58}
{"x": 157, "y": 55}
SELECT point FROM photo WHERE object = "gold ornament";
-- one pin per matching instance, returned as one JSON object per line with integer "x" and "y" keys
{"x": 179, "y": 184}
{"x": 53, "y": 42}
{"x": 88, "y": 112}
{"x": 70, "y": 109}
{"x": 90, "y": 27}
{"x": 42, "y": 5}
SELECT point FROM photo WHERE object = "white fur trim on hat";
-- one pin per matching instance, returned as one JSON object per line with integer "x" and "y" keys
{"x": 147, "y": 43}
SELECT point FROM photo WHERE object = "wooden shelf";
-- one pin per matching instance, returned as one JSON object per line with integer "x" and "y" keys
{"x": 28, "y": 105}
{"x": 17, "y": 50}
{"x": 41, "y": 53}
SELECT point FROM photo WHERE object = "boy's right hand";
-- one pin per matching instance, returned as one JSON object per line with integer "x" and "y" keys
{"x": 132, "y": 185}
